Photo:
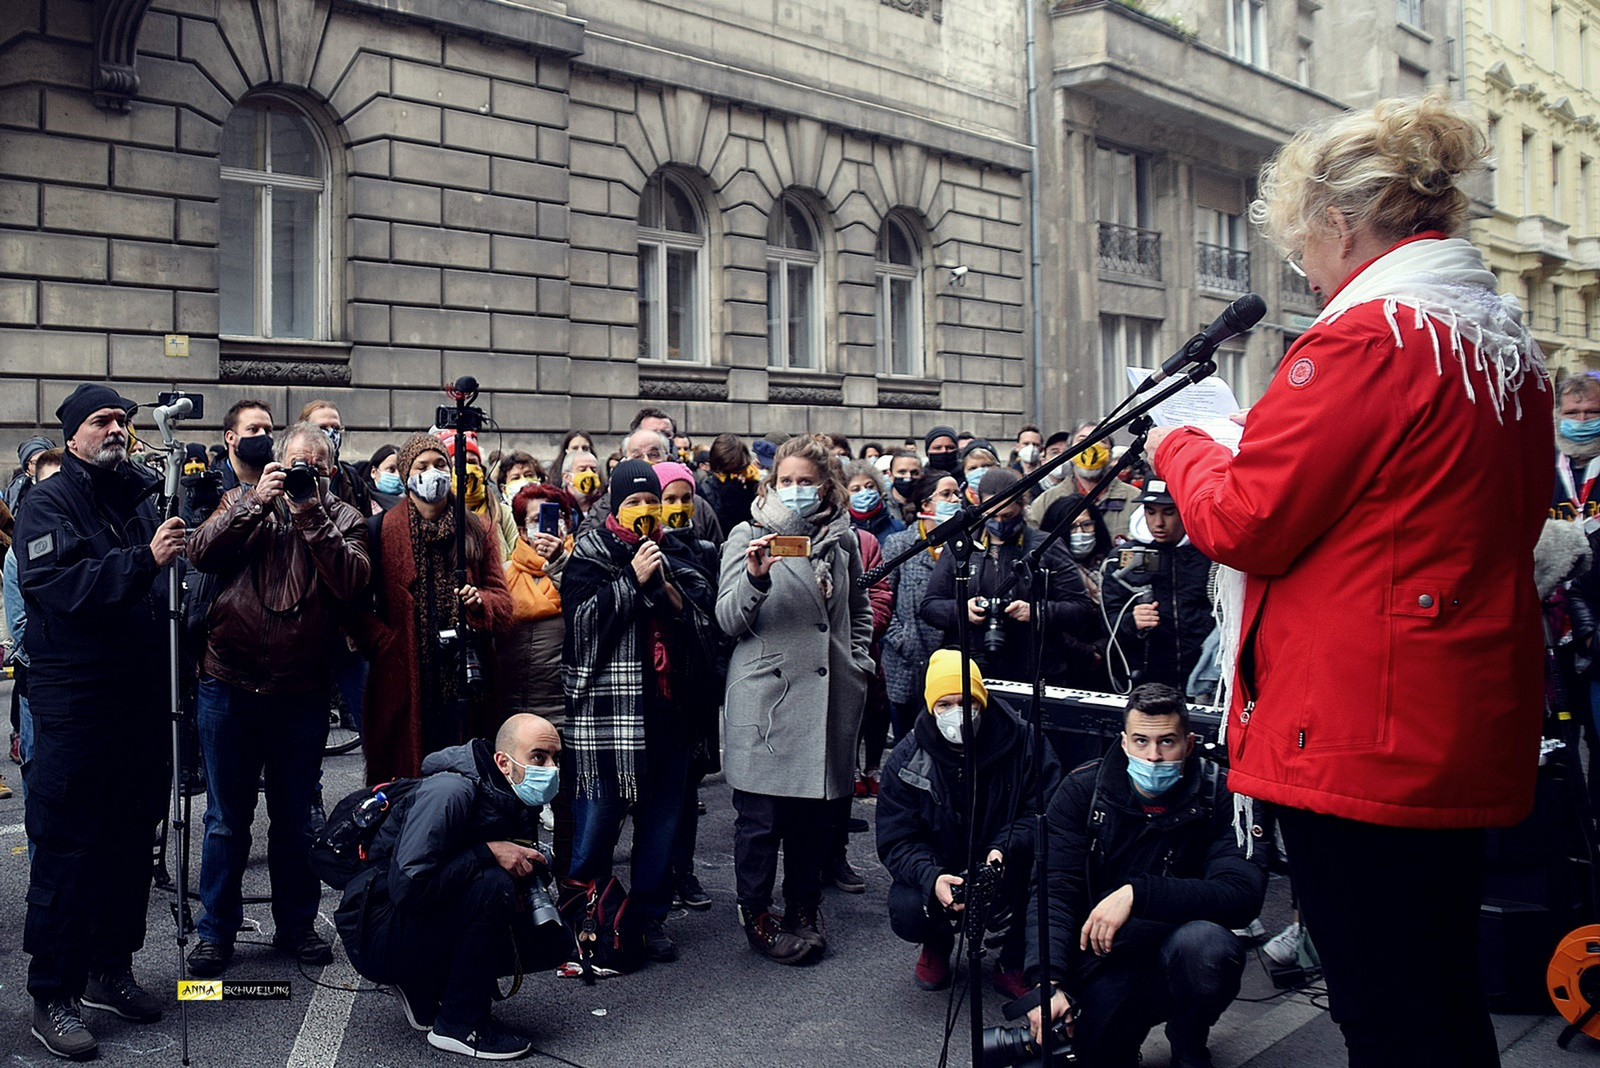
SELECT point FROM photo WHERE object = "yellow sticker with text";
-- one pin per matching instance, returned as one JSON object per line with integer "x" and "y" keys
{"x": 199, "y": 989}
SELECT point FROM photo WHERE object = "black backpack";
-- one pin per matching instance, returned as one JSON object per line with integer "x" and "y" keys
{"x": 339, "y": 853}
{"x": 610, "y": 938}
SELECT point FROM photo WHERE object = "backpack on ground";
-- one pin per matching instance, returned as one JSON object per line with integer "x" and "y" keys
{"x": 339, "y": 853}
{"x": 610, "y": 938}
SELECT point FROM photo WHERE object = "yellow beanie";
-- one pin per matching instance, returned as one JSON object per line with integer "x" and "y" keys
{"x": 944, "y": 677}
{"x": 1093, "y": 458}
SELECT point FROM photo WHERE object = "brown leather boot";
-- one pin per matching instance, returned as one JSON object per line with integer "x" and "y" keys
{"x": 806, "y": 922}
{"x": 767, "y": 937}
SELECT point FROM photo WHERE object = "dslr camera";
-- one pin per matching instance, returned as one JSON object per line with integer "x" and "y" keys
{"x": 300, "y": 482}
{"x": 994, "y": 632}
{"x": 1005, "y": 1046}
{"x": 456, "y": 642}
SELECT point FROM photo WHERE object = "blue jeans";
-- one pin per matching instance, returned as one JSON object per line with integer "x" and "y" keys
{"x": 598, "y": 826}
{"x": 242, "y": 733}
{"x": 25, "y": 747}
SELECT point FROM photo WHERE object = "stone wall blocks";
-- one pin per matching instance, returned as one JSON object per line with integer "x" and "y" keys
{"x": 433, "y": 246}
{"x": 98, "y": 307}
{"x": 397, "y": 201}
{"x": 750, "y": 319}
{"x": 529, "y": 333}
{"x": 498, "y": 375}
{"x": 592, "y": 305}
{"x": 160, "y": 264}
{"x": 46, "y": 255}
{"x": 436, "y": 85}
{"x": 490, "y": 58}
{"x": 388, "y": 366}
{"x": 36, "y": 155}
{"x": 591, "y": 411}
{"x": 533, "y": 180}
{"x": 590, "y": 268}
{"x": 532, "y": 411}
{"x": 178, "y": 82}
{"x": 201, "y": 43}
{"x": 145, "y": 356}
{"x": 497, "y": 215}
{"x": 365, "y": 78}
{"x": 555, "y": 147}
{"x": 607, "y": 378}
{"x": 490, "y": 292}
{"x": 73, "y": 354}
{"x": 404, "y": 120}
{"x": 19, "y": 204}
{"x": 600, "y": 91}
{"x": 19, "y": 301}
{"x": 198, "y": 134}
{"x": 589, "y": 341}
{"x": 144, "y": 170}
{"x": 196, "y": 312}
{"x": 394, "y": 283}
{"x": 590, "y": 123}
{"x": 554, "y": 297}
{"x": 441, "y": 166}
{"x": 367, "y": 324}
{"x": 434, "y": 328}
{"x": 520, "y": 255}
{"x": 368, "y": 239}
{"x": 603, "y": 233}
{"x": 486, "y": 133}
{"x": 74, "y": 113}
{"x": 624, "y": 271}
{"x": 554, "y": 221}
{"x": 555, "y": 374}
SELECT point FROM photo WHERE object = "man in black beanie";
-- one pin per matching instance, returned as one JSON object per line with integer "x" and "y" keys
{"x": 93, "y": 575}
{"x": 940, "y": 445}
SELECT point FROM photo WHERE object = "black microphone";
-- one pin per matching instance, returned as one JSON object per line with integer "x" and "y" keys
{"x": 466, "y": 386}
{"x": 1235, "y": 319}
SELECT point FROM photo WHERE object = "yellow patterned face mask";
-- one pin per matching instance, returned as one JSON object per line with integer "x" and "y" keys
{"x": 677, "y": 516}
{"x": 641, "y": 519}
{"x": 586, "y": 482}
{"x": 475, "y": 496}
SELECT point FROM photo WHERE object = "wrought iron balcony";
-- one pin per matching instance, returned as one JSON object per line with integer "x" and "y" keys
{"x": 1220, "y": 267}
{"x": 1130, "y": 250}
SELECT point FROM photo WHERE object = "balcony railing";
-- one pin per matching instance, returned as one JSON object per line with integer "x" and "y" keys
{"x": 1130, "y": 250}
{"x": 1296, "y": 290}
{"x": 1220, "y": 267}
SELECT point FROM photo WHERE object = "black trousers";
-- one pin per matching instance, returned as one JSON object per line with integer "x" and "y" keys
{"x": 1358, "y": 883}
{"x": 801, "y": 826}
{"x": 919, "y": 918}
{"x": 451, "y": 951}
{"x": 95, "y": 797}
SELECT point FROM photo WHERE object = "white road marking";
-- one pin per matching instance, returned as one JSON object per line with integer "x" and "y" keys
{"x": 322, "y": 1032}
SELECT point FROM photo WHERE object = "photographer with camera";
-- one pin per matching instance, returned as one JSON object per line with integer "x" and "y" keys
{"x": 1002, "y": 635}
{"x": 1146, "y": 880}
{"x": 923, "y": 807}
{"x": 1158, "y": 602}
{"x": 288, "y": 554}
{"x": 93, "y": 553}
{"x": 453, "y": 866}
{"x": 419, "y": 703}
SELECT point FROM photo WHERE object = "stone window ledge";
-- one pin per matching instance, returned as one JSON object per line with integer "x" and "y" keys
{"x": 284, "y": 362}
{"x": 665, "y": 380}
{"x": 909, "y": 391}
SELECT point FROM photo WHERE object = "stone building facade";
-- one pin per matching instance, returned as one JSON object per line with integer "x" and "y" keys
{"x": 748, "y": 213}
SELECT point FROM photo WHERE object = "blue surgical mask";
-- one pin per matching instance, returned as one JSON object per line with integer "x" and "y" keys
{"x": 538, "y": 785}
{"x": 1580, "y": 430}
{"x": 865, "y": 500}
{"x": 803, "y": 501}
{"x": 1005, "y": 529}
{"x": 945, "y": 509}
{"x": 389, "y": 482}
{"x": 1153, "y": 777}
{"x": 975, "y": 477}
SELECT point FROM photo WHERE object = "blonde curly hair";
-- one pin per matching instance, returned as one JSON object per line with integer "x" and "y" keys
{"x": 1394, "y": 168}
{"x": 818, "y": 449}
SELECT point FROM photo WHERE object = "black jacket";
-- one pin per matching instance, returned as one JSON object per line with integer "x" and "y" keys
{"x": 1184, "y": 864}
{"x": 1070, "y": 610}
{"x": 1168, "y": 651}
{"x": 923, "y": 803}
{"x": 95, "y": 598}
{"x": 435, "y": 842}
{"x": 729, "y": 499}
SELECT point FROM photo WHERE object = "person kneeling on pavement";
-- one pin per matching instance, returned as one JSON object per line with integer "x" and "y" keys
{"x": 1147, "y": 877}
{"x": 448, "y": 883}
{"x": 922, "y": 822}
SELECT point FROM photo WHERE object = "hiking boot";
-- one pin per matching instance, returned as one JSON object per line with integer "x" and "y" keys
{"x": 5, "y": 791}
{"x": 489, "y": 1041}
{"x": 420, "y": 1012}
{"x": 805, "y": 921}
{"x": 312, "y": 949}
{"x": 657, "y": 945}
{"x": 207, "y": 960}
{"x": 122, "y": 995}
{"x": 846, "y": 878}
{"x": 767, "y": 937}
{"x": 691, "y": 895}
{"x": 59, "y": 1025}
{"x": 933, "y": 968}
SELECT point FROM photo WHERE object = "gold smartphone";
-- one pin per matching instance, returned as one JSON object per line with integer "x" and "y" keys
{"x": 789, "y": 545}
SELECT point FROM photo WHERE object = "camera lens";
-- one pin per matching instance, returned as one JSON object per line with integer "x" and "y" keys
{"x": 300, "y": 482}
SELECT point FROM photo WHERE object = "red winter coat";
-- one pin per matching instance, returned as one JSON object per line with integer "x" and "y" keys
{"x": 1390, "y": 664}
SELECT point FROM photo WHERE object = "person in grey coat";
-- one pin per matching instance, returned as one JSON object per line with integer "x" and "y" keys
{"x": 907, "y": 644}
{"x": 797, "y": 683}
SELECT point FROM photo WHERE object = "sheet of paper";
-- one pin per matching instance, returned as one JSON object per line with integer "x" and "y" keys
{"x": 1206, "y": 404}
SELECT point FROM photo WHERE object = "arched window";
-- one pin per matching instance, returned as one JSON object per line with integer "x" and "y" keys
{"x": 899, "y": 275}
{"x": 794, "y": 288}
{"x": 275, "y": 235}
{"x": 673, "y": 306}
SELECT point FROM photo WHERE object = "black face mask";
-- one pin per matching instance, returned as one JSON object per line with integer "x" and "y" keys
{"x": 905, "y": 486}
{"x": 944, "y": 461}
{"x": 255, "y": 451}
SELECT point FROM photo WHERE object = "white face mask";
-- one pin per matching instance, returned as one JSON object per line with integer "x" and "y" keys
{"x": 1028, "y": 454}
{"x": 949, "y": 724}
{"x": 1080, "y": 542}
{"x": 431, "y": 486}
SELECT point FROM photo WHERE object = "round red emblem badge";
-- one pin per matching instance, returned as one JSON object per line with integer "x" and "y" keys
{"x": 1301, "y": 372}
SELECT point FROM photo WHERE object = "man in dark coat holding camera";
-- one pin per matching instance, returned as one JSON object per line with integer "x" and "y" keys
{"x": 922, "y": 821}
{"x": 93, "y": 552}
{"x": 433, "y": 914}
{"x": 1147, "y": 879}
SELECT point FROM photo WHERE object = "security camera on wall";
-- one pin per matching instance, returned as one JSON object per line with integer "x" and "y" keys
{"x": 958, "y": 275}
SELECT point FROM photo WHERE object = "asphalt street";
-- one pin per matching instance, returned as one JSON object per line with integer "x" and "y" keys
{"x": 719, "y": 1004}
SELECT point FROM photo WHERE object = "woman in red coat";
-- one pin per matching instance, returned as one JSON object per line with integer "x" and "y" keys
{"x": 1383, "y": 507}
{"x": 414, "y": 702}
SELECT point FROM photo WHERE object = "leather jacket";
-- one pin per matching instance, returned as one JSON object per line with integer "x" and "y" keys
{"x": 275, "y": 624}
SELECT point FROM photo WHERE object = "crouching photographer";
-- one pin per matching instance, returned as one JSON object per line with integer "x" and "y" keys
{"x": 451, "y": 889}
{"x": 923, "y": 808}
{"x": 1146, "y": 880}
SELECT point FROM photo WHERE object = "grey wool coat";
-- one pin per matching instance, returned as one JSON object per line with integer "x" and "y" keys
{"x": 797, "y": 680}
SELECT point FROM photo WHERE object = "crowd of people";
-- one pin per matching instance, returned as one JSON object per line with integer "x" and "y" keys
{"x": 588, "y": 635}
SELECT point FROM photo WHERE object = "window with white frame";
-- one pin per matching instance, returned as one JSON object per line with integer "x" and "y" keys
{"x": 1557, "y": 165}
{"x": 1410, "y": 12}
{"x": 1221, "y": 232}
{"x": 1247, "y": 31}
{"x": 1125, "y": 341}
{"x": 274, "y": 236}
{"x": 794, "y": 287}
{"x": 673, "y": 304}
{"x": 1233, "y": 367}
{"x": 898, "y": 270}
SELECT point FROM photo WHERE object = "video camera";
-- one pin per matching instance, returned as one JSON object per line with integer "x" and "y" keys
{"x": 978, "y": 892}
{"x": 462, "y": 417}
{"x": 994, "y": 633}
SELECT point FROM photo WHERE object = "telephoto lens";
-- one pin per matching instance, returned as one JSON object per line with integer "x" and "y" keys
{"x": 994, "y": 634}
{"x": 300, "y": 482}
{"x": 541, "y": 905}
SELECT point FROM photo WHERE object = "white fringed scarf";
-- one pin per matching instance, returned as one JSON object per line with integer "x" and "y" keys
{"x": 1451, "y": 295}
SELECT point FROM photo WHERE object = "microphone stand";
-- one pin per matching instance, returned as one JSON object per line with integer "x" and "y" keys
{"x": 957, "y": 533}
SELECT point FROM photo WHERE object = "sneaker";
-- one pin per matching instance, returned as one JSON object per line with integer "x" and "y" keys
{"x": 933, "y": 968}
{"x": 871, "y": 778}
{"x": 1253, "y": 933}
{"x": 420, "y": 1013}
{"x": 59, "y": 1025}
{"x": 861, "y": 784}
{"x": 767, "y": 937}
{"x": 207, "y": 960}
{"x": 489, "y": 1041}
{"x": 691, "y": 895}
{"x": 310, "y": 947}
{"x": 1010, "y": 984}
{"x": 1283, "y": 948}
{"x": 846, "y": 878}
{"x": 122, "y": 995}
{"x": 657, "y": 944}
{"x": 806, "y": 923}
